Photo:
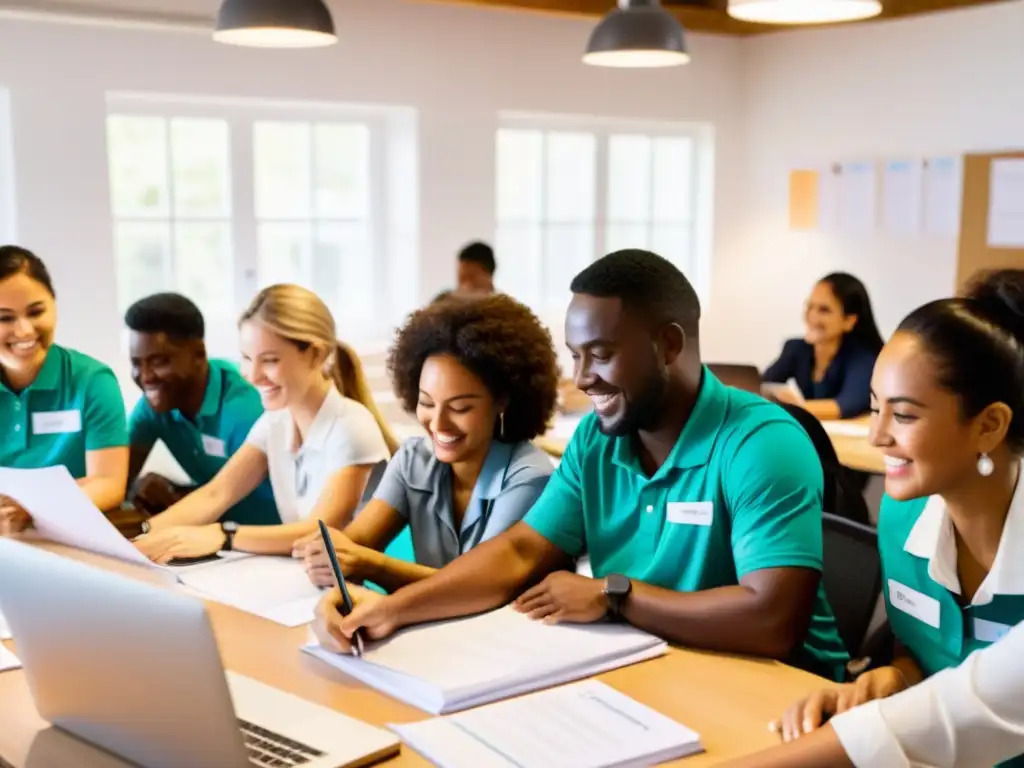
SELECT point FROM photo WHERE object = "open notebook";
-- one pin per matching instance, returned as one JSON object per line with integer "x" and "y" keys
{"x": 275, "y": 588}
{"x": 583, "y": 725}
{"x": 451, "y": 666}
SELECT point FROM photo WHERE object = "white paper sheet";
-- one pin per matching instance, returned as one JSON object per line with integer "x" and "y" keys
{"x": 942, "y": 193}
{"x": 1006, "y": 204}
{"x": 902, "y": 192}
{"x": 8, "y": 660}
{"x": 858, "y": 197}
{"x": 5, "y": 630}
{"x": 774, "y": 389}
{"x": 584, "y": 725}
{"x": 846, "y": 428}
{"x": 276, "y": 588}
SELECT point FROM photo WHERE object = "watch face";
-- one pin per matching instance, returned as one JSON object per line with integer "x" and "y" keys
{"x": 230, "y": 527}
{"x": 617, "y": 585}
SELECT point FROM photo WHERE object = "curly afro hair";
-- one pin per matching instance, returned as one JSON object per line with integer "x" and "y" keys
{"x": 500, "y": 340}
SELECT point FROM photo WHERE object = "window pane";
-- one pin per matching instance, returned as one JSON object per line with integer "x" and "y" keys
{"x": 629, "y": 178}
{"x": 137, "y": 158}
{"x": 673, "y": 179}
{"x": 142, "y": 252}
{"x": 281, "y": 166}
{"x": 619, "y": 236}
{"x": 342, "y": 157}
{"x": 200, "y": 156}
{"x": 520, "y": 158}
{"x": 571, "y": 165}
{"x": 344, "y": 276}
{"x": 568, "y": 248}
{"x": 203, "y": 268}
{"x": 284, "y": 254}
{"x": 675, "y": 243}
{"x": 518, "y": 248}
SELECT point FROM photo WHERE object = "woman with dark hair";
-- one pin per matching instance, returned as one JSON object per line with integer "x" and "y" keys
{"x": 480, "y": 376}
{"x": 57, "y": 406}
{"x": 949, "y": 418}
{"x": 832, "y": 364}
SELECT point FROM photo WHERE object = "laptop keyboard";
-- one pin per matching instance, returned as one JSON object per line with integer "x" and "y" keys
{"x": 267, "y": 748}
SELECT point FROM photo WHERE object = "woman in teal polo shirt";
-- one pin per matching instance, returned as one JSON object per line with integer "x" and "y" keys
{"x": 948, "y": 404}
{"x": 480, "y": 375}
{"x": 57, "y": 406}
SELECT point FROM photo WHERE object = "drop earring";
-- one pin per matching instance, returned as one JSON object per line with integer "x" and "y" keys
{"x": 985, "y": 465}
{"x": 501, "y": 425}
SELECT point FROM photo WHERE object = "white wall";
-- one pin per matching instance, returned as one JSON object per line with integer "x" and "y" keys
{"x": 944, "y": 83}
{"x": 458, "y": 66}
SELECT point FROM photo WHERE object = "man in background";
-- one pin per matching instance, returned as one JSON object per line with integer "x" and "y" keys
{"x": 475, "y": 271}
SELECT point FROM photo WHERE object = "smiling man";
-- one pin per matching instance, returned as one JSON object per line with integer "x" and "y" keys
{"x": 699, "y": 505}
{"x": 201, "y": 409}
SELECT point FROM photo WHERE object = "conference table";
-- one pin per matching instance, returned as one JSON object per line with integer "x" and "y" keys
{"x": 728, "y": 700}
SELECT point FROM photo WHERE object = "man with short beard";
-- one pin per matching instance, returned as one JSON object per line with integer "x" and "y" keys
{"x": 698, "y": 504}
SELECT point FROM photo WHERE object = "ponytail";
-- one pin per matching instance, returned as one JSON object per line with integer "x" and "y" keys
{"x": 346, "y": 372}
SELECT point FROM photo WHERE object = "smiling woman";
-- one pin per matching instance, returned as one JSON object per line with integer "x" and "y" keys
{"x": 57, "y": 406}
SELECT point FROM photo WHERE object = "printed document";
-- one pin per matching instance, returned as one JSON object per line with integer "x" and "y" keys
{"x": 8, "y": 660}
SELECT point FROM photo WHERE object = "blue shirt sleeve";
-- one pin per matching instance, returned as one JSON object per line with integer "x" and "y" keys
{"x": 105, "y": 421}
{"x": 516, "y": 499}
{"x": 774, "y": 493}
{"x": 854, "y": 396}
{"x": 558, "y": 514}
{"x": 785, "y": 368}
{"x": 393, "y": 488}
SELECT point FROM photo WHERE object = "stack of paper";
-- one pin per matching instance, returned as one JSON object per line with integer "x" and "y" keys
{"x": 454, "y": 665}
{"x": 585, "y": 725}
{"x": 8, "y": 660}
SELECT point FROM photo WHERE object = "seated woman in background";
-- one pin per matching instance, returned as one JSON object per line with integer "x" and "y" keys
{"x": 480, "y": 376}
{"x": 948, "y": 395}
{"x": 832, "y": 364}
{"x": 57, "y": 406}
{"x": 321, "y": 439}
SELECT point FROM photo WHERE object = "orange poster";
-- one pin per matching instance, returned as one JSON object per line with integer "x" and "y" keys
{"x": 803, "y": 199}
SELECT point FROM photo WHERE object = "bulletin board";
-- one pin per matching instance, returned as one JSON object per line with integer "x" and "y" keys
{"x": 974, "y": 253}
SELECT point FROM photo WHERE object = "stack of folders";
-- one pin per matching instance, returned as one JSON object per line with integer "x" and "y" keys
{"x": 275, "y": 588}
{"x": 454, "y": 665}
{"x": 583, "y": 725}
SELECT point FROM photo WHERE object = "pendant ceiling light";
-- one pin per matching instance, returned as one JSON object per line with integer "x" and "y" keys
{"x": 275, "y": 24}
{"x": 639, "y": 33}
{"x": 803, "y": 11}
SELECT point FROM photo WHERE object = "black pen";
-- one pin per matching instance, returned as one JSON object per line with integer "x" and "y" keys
{"x": 346, "y": 599}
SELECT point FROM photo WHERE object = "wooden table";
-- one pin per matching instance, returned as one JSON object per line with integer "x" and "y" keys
{"x": 728, "y": 700}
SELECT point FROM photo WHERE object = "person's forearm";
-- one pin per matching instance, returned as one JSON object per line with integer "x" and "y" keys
{"x": 819, "y": 749}
{"x": 730, "y": 619}
{"x": 272, "y": 539}
{"x": 823, "y": 410}
{"x": 392, "y": 574}
{"x": 908, "y": 668}
{"x": 203, "y": 506}
{"x": 105, "y": 492}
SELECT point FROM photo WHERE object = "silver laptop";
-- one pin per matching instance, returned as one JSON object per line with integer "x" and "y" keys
{"x": 134, "y": 669}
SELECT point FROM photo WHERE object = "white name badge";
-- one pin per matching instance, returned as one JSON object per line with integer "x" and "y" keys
{"x": 56, "y": 422}
{"x": 914, "y": 603}
{"x": 691, "y": 513}
{"x": 214, "y": 446}
{"x": 989, "y": 631}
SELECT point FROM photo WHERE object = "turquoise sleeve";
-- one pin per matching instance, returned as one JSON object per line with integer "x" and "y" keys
{"x": 558, "y": 514}
{"x": 143, "y": 430}
{"x": 105, "y": 423}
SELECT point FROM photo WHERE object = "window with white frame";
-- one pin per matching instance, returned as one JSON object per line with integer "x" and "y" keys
{"x": 218, "y": 200}
{"x": 570, "y": 193}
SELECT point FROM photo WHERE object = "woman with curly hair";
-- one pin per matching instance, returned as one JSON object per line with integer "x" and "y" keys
{"x": 480, "y": 376}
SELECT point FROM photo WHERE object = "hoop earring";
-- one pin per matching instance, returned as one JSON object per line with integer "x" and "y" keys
{"x": 501, "y": 425}
{"x": 985, "y": 465}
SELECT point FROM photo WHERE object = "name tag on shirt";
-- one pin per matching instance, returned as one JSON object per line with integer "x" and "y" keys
{"x": 56, "y": 422}
{"x": 914, "y": 603}
{"x": 691, "y": 513}
{"x": 214, "y": 446}
{"x": 989, "y": 631}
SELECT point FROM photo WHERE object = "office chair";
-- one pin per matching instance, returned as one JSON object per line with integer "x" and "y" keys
{"x": 842, "y": 496}
{"x": 745, "y": 377}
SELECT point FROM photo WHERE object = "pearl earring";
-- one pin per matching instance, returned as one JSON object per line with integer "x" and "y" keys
{"x": 985, "y": 465}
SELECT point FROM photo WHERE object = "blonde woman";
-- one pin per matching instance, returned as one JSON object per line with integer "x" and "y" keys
{"x": 321, "y": 439}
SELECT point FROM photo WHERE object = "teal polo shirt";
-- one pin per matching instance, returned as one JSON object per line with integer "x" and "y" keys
{"x": 73, "y": 406}
{"x": 741, "y": 491}
{"x": 922, "y": 589}
{"x": 230, "y": 407}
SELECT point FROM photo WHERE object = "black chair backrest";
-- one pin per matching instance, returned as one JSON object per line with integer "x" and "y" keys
{"x": 745, "y": 377}
{"x": 843, "y": 496}
{"x": 852, "y": 577}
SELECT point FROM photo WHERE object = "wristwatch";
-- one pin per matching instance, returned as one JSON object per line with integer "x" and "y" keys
{"x": 145, "y": 527}
{"x": 616, "y": 588}
{"x": 230, "y": 528}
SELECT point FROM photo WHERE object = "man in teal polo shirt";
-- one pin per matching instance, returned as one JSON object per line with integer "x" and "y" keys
{"x": 201, "y": 409}
{"x": 699, "y": 505}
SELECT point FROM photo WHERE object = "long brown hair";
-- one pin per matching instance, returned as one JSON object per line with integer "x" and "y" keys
{"x": 299, "y": 315}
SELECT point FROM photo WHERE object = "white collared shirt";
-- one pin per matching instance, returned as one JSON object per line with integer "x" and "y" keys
{"x": 932, "y": 538}
{"x": 965, "y": 717}
{"x": 343, "y": 434}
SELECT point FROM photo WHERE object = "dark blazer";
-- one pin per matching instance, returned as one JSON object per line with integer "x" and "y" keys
{"x": 847, "y": 380}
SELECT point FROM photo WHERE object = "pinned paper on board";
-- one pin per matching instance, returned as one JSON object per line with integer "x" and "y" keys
{"x": 942, "y": 193}
{"x": 1006, "y": 204}
{"x": 858, "y": 197}
{"x": 803, "y": 199}
{"x": 829, "y": 181}
{"x": 902, "y": 192}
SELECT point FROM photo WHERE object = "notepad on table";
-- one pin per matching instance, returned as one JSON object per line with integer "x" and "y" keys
{"x": 583, "y": 725}
{"x": 451, "y": 666}
{"x": 8, "y": 660}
